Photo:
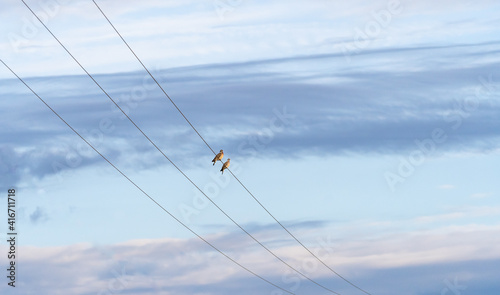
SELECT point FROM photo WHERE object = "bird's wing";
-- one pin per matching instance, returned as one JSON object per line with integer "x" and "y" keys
{"x": 217, "y": 157}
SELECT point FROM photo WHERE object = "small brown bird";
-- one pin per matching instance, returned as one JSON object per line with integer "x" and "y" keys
{"x": 225, "y": 166}
{"x": 218, "y": 157}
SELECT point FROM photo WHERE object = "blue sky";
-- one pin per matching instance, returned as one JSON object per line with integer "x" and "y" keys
{"x": 370, "y": 129}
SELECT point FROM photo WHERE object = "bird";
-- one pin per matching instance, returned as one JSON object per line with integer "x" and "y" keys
{"x": 218, "y": 157}
{"x": 225, "y": 165}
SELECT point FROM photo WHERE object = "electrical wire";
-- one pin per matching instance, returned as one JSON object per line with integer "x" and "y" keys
{"x": 140, "y": 189}
{"x": 192, "y": 126}
{"x": 166, "y": 157}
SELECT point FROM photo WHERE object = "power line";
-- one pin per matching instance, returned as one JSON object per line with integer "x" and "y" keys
{"x": 179, "y": 110}
{"x": 154, "y": 79}
{"x": 166, "y": 157}
{"x": 140, "y": 189}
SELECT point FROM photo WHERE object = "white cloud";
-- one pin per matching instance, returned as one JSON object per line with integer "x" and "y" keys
{"x": 442, "y": 217}
{"x": 446, "y": 186}
{"x": 481, "y": 195}
{"x": 181, "y": 264}
{"x": 170, "y": 34}
{"x": 462, "y": 214}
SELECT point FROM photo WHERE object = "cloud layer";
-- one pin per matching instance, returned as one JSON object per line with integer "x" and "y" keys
{"x": 286, "y": 107}
{"x": 282, "y": 80}
{"x": 420, "y": 262}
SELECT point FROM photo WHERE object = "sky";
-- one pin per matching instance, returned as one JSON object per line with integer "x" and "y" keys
{"x": 369, "y": 129}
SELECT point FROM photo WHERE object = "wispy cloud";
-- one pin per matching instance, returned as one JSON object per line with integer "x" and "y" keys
{"x": 141, "y": 266}
{"x": 374, "y": 111}
{"x": 271, "y": 80}
{"x": 446, "y": 186}
{"x": 481, "y": 195}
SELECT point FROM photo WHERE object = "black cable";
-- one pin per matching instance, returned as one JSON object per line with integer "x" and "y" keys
{"x": 154, "y": 79}
{"x": 166, "y": 157}
{"x": 314, "y": 255}
{"x": 139, "y": 188}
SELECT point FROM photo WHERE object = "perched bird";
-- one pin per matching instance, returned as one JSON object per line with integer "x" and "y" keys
{"x": 218, "y": 157}
{"x": 225, "y": 166}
